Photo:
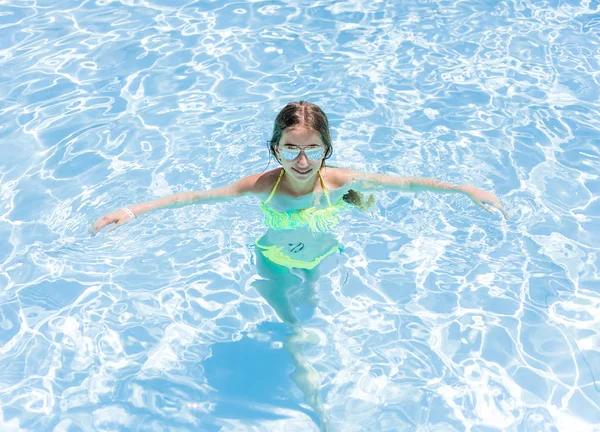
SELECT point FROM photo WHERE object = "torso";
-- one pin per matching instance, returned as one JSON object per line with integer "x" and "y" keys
{"x": 300, "y": 242}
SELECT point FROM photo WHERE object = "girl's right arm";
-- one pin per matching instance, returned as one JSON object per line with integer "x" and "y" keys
{"x": 244, "y": 186}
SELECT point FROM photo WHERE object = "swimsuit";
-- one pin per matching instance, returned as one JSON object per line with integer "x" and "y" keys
{"x": 317, "y": 220}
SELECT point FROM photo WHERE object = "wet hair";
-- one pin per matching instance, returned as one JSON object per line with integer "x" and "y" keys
{"x": 301, "y": 115}
{"x": 358, "y": 199}
{"x": 309, "y": 116}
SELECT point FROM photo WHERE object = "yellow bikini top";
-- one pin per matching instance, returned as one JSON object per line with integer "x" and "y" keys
{"x": 322, "y": 219}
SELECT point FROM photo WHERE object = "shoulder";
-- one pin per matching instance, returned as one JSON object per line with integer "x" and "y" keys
{"x": 340, "y": 177}
{"x": 359, "y": 180}
{"x": 259, "y": 183}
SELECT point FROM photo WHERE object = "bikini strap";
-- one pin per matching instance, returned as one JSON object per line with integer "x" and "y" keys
{"x": 324, "y": 189}
{"x": 275, "y": 187}
{"x": 279, "y": 179}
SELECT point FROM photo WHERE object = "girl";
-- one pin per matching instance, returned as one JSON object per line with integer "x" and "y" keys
{"x": 302, "y": 200}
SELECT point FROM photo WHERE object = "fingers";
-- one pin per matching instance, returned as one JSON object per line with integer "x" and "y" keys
{"x": 503, "y": 211}
{"x": 101, "y": 223}
{"x": 495, "y": 203}
{"x": 483, "y": 206}
{"x": 118, "y": 218}
{"x": 96, "y": 226}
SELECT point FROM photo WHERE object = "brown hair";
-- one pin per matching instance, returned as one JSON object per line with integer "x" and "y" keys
{"x": 358, "y": 199}
{"x": 301, "y": 115}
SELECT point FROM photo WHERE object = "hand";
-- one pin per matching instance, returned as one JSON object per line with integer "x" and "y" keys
{"x": 118, "y": 217}
{"x": 481, "y": 198}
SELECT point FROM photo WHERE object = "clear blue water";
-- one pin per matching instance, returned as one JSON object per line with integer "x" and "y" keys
{"x": 437, "y": 317}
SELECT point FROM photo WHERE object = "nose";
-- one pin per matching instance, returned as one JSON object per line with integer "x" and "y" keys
{"x": 302, "y": 159}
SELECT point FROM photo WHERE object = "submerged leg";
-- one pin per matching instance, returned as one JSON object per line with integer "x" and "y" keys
{"x": 277, "y": 286}
{"x": 306, "y": 377}
{"x": 274, "y": 287}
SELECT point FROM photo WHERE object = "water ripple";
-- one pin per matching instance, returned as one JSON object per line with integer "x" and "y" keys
{"x": 437, "y": 317}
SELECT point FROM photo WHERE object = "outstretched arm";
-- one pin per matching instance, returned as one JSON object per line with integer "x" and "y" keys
{"x": 370, "y": 182}
{"x": 119, "y": 217}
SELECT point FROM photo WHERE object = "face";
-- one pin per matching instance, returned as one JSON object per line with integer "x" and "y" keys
{"x": 308, "y": 161}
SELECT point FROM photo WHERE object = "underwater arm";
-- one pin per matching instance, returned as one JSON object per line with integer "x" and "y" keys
{"x": 370, "y": 182}
{"x": 181, "y": 199}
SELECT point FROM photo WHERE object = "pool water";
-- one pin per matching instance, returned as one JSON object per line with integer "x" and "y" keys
{"x": 436, "y": 317}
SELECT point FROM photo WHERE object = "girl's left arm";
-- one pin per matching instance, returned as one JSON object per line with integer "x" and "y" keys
{"x": 363, "y": 181}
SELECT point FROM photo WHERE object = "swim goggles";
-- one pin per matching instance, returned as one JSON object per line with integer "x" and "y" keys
{"x": 314, "y": 154}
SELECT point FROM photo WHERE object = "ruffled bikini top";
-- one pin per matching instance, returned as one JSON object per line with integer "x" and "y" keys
{"x": 317, "y": 219}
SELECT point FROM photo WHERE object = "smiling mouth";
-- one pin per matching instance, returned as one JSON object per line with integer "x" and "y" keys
{"x": 303, "y": 172}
